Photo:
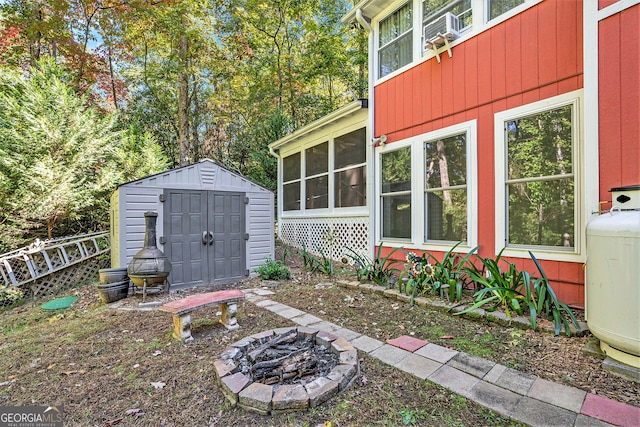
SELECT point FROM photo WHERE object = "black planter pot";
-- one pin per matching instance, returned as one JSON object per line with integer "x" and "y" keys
{"x": 112, "y": 292}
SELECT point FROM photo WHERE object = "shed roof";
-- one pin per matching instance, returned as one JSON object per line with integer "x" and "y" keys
{"x": 204, "y": 162}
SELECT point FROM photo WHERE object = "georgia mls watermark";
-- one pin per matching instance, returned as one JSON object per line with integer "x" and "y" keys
{"x": 31, "y": 416}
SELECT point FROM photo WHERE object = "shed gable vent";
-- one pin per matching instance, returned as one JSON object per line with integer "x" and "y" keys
{"x": 440, "y": 30}
{"x": 208, "y": 176}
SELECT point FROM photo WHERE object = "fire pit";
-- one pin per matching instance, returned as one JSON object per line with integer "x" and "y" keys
{"x": 286, "y": 369}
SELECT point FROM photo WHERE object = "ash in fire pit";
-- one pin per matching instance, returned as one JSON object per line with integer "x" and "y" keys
{"x": 286, "y": 369}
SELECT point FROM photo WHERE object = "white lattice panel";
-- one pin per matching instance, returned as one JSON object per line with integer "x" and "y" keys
{"x": 331, "y": 235}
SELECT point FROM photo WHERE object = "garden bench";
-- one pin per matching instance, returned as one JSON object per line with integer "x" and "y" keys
{"x": 181, "y": 310}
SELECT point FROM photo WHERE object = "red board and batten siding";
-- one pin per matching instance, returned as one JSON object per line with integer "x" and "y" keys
{"x": 619, "y": 98}
{"x": 535, "y": 55}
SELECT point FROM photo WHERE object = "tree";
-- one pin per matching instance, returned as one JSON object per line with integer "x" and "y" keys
{"x": 59, "y": 159}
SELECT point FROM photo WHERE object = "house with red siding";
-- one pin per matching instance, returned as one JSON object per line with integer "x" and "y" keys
{"x": 505, "y": 124}
{"x": 499, "y": 124}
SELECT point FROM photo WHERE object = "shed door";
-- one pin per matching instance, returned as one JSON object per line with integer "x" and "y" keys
{"x": 204, "y": 233}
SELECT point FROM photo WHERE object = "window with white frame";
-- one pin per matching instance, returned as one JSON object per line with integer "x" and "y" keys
{"x": 396, "y": 194}
{"x": 395, "y": 42}
{"x": 291, "y": 182}
{"x": 538, "y": 187}
{"x": 334, "y": 175}
{"x": 398, "y": 46}
{"x": 445, "y": 188}
{"x": 349, "y": 169}
{"x": 499, "y": 7}
{"x": 317, "y": 176}
{"x": 461, "y": 9}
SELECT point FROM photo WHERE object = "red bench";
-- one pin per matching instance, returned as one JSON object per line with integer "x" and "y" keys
{"x": 182, "y": 308}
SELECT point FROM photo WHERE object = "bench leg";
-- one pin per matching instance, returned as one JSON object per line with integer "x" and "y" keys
{"x": 228, "y": 318}
{"x": 182, "y": 327}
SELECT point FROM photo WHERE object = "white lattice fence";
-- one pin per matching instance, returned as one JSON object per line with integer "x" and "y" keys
{"x": 331, "y": 235}
{"x": 78, "y": 272}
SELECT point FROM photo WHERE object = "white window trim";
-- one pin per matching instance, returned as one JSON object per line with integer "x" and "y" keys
{"x": 395, "y": 6}
{"x": 392, "y": 8}
{"x": 330, "y": 210}
{"x": 418, "y": 188}
{"x": 470, "y": 128}
{"x": 327, "y": 173}
{"x": 479, "y": 25}
{"x": 282, "y": 183}
{"x": 575, "y": 99}
{"x": 395, "y": 147}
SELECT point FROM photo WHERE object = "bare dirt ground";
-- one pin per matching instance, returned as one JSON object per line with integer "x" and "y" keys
{"x": 115, "y": 367}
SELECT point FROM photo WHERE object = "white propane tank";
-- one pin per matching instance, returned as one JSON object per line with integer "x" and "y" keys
{"x": 612, "y": 293}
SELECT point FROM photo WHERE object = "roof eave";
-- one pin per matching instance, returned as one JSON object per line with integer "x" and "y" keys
{"x": 321, "y": 122}
{"x": 369, "y": 8}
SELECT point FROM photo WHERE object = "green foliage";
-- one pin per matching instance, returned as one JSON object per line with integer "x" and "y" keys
{"x": 542, "y": 299}
{"x": 59, "y": 159}
{"x": 308, "y": 261}
{"x": 251, "y": 71}
{"x": 427, "y": 274}
{"x": 273, "y": 270}
{"x": 516, "y": 291}
{"x": 53, "y": 150}
{"x": 501, "y": 289}
{"x": 9, "y": 297}
{"x": 380, "y": 270}
{"x": 324, "y": 264}
{"x": 411, "y": 416}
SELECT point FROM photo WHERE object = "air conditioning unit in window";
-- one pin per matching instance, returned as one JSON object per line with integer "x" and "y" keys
{"x": 440, "y": 31}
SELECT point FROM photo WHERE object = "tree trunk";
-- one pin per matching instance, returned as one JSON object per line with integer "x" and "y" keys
{"x": 183, "y": 102}
{"x": 34, "y": 42}
{"x": 444, "y": 171}
{"x": 113, "y": 83}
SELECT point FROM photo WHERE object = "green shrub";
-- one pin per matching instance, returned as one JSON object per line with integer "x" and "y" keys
{"x": 427, "y": 274}
{"x": 10, "y": 297}
{"x": 273, "y": 270}
{"x": 380, "y": 271}
{"x": 541, "y": 299}
{"x": 516, "y": 291}
{"x": 499, "y": 288}
{"x": 308, "y": 261}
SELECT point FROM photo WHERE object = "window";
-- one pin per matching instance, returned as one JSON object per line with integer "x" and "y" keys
{"x": 446, "y": 188}
{"x": 317, "y": 176}
{"x": 444, "y": 191}
{"x": 538, "y": 189}
{"x": 291, "y": 182}
{"x": 433, "y": 9}
{"x": 396, "y": 40}
{"x": 398, "y": 47}
{"x": 498, "y": 7}
{"x": 350, "y": 169}
{"x": 396, "y": 194}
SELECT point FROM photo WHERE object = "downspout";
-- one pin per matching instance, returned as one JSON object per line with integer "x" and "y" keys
{"x": 278, "y": 212}
{"x": 363, "y": 21}
{"x": 366, "y": 24}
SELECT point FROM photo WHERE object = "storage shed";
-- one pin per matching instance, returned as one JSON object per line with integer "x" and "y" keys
{"x": 214, "y": 225}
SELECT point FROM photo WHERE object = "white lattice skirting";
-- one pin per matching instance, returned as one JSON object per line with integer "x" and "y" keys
{"x": 331, "y": 235}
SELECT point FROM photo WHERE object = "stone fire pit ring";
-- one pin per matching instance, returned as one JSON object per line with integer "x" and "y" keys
{"x": 264, "y": 399}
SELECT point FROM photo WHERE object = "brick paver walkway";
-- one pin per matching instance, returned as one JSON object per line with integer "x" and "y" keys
{"x": 520, "y": 396}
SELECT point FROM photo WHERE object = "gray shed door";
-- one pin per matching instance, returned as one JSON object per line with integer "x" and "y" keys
{"x": 204, "y": 236}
